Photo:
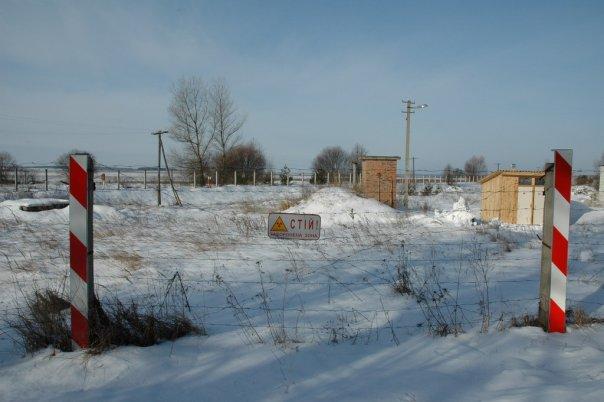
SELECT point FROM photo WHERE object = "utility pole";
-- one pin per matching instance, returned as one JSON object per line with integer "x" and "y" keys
{"x": 159, "y": 148}
{"x": 413, "y": 169}
{"x": 410, "y": 107}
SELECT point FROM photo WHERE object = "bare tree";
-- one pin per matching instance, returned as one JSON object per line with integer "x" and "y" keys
{"x": 7, "y": 164}
{"x": 448, "y": 174}
{"x": 62, "y": 161}
{"x": 330, "y": 160}
{"x": 357, "y": 153}
{"x": 192, "y": 124}
{"x": 475, "y": 165}
{"x": 225, "y": 120}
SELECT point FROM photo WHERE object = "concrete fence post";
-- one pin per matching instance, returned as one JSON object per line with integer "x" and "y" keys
{"x": 16, "y": 178}
{"x": 235, "y": 177}
{"x": 254, "y": 177}
{"x": 118, "y": 179}
{"x": 46, "y": 179}
{"x": 81, "y": 277}
{"x": 194, "y": 179}
{"x": 328, "y": 181}
{"x": 145, "y": 179}
{"x": 271, "y": 177}
{"x": 216, "y": 184}
{"x": 601, "y": 194}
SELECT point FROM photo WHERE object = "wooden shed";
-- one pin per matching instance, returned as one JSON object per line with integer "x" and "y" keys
{"x": 513, "y": 196}
{"x": 378, "y": 178}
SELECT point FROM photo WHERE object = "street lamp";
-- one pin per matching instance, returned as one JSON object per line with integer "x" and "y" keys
{"x": 410, "y": 108}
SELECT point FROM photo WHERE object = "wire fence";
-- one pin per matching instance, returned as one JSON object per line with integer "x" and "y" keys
{"x": 46, "y": 177}
{"x": 344, "y": 284}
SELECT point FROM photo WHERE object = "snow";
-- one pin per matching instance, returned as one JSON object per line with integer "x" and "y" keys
{"x": 459, "y": 215}
{"x": 350, "y": 336}
{"x": 336, "y": 206}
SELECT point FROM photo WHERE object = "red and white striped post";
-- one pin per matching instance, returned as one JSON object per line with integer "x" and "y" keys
{"x": 554, "y": 268}
{"x": 81, "y": 285}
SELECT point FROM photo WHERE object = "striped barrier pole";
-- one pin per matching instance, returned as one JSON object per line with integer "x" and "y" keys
{"x": 561, "y": 224}
{"x": 554, "y": 256}
{"x": 81, "y": 285}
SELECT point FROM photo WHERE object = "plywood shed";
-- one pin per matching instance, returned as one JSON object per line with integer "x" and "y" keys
{"x": 378, "y": 178}
{"x": 513, "y": 196}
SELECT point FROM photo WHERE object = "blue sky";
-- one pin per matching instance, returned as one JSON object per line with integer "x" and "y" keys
{"x": 509, "y": 80}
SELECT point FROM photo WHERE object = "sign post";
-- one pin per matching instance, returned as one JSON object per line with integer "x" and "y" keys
{"x": 294, "y": 226}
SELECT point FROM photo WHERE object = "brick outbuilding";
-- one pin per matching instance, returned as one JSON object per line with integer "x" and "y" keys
{"x": 378, "y": 178}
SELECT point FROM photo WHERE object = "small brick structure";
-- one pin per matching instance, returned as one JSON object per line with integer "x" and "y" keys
{"x": 378, "y": 178}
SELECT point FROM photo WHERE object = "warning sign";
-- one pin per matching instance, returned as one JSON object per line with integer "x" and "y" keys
{"x": 294, "y": 226}
{"x": 278, "y": 226}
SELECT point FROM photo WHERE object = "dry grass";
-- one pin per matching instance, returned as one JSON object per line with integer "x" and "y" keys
{"x": 253, "y": 207}
{"x": 43, "y": 322}
{"x": 527, "y": 320}
{"x": 130, "y": 261}
{"x": 579, "y": 317}
{"x": 117, "y": 324}
{"x": 289, "y": 202}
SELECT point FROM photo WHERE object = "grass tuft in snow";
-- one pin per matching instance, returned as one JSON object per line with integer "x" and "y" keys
{"x": 117, "y": 324}
{"x": 527, "y": 320}
{"x": 581, "y": 318}
{"x": 43, "y": 322}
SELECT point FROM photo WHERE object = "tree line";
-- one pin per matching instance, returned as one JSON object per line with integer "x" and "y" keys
{"x": 208, "y": 126}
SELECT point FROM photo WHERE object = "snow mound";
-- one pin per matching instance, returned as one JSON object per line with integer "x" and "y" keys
{"x": 595, "y": 218}
{"x": 459, "y": 215}
{"x": 338, "y": 206}
{"x": 451, "y": 188}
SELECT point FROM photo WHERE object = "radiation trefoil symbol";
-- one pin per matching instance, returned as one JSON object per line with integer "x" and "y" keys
{"x": 279, "y": 226}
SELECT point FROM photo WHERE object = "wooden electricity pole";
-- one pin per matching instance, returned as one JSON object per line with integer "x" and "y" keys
{"x": 159, "y": 150}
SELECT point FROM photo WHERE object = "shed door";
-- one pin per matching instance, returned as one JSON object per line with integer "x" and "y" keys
{"x": 525, "y": 205}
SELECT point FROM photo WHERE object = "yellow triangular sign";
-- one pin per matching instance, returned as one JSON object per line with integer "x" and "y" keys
{"x": 279, "y": 226}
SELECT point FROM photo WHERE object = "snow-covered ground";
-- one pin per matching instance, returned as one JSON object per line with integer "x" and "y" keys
{"x": 344, "y": 332}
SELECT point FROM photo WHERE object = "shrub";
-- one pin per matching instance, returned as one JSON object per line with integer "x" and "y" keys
{"x": 581, "y": 318}
{"x": 427, "y": 190}
{"x": 119, "y": 324}
{"x": 526, "y": 320}
{"x": 43, "y": 322}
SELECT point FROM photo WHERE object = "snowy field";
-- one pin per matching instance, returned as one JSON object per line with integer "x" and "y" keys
{"x": 314, "y": 320}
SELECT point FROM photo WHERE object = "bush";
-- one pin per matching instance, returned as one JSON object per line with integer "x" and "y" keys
{"x": 526, "y": 320}
{"x": 427, "y": 190}
{"x": 585, "y": 180}
{"x": 245, "y": 159}
{"x": 62, "y": 161}
{"x": 45, "y": 322}
{"x": 119, "y": 324}
{"x": 581, "y": 318}
{"x": 7, "y": 166}
{"x": 285, "y": 175}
